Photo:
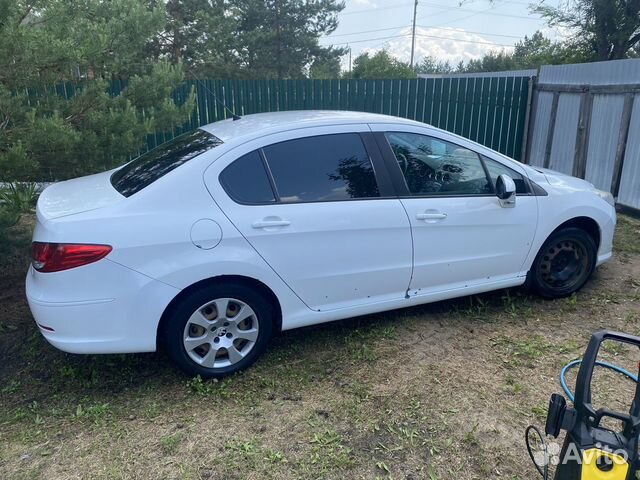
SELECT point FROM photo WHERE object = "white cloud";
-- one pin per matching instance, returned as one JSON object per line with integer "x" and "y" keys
{"x": 557, "y": 33}
{"x": 452, "y": 44}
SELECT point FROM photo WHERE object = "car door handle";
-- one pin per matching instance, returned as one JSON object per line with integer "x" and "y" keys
{"x": 270, "y": 223}
{"x": 431, "y": 216}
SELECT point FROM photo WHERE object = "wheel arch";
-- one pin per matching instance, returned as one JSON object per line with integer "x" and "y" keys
{"x": 220, "y": 279}
{"x": 588, "y": 224}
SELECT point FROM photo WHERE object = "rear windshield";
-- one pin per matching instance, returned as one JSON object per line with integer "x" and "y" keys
{"x": 150, "y": 166}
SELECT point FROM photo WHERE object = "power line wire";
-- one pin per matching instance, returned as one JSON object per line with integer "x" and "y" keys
{"x": 446, "y": 8}
{"x": 426, "y": 36}
{"x": 382, "y": 44}
{"x": 459, "y": 19}
{"x": 515, "y": 2}
{"x": 480, "y": 12}
{"x": 366, "y": 31}
{"x": 371, "y": 39}
{"x": 376, "y": 9}
{"x": 435, "y": 27}
{"x": 470, "y": 31}
{"x": 461, "y": 40}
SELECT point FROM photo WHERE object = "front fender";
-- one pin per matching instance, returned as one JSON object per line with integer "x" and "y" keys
{"x": 559, "y": 208}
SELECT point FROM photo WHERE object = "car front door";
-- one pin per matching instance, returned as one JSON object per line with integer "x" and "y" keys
{"x": 320, "y": 211}
{"x": 462, "y": 236}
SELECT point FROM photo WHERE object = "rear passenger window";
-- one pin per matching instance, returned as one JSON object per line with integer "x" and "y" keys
{"x": 149, "y": 167}
{"x": 246, "y": 180}
{"x": 496, "y": 169}
{"x": 322, "y": 168}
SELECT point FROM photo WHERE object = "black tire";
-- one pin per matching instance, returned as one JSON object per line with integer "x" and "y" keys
{"x": 176, "y": 324}
{"x": 564, "y": 263}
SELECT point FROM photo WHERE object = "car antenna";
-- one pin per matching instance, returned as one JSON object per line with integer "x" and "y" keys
{"x": 234, "y": 116}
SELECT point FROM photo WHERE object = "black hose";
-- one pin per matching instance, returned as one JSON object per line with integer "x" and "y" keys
{"x": 544, "y": 471}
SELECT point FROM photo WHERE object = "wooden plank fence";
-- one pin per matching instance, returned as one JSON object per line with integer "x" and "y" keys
{"x": 585, "y": 119}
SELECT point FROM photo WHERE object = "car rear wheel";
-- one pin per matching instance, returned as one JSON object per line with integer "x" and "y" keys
{"x": 564, "y": 264}
{"x": 219, "y": 330}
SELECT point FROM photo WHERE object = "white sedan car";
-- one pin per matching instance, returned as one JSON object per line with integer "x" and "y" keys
{"x": 214, "y": 241}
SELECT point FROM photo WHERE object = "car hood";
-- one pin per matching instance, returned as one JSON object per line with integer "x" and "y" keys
{"x": 77, "y": 196}
{"x": 559, "y": 179}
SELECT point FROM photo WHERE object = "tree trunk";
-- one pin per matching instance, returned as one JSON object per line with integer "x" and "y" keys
{"x": 603, "y": 46}
{"x": 619, "y": 51}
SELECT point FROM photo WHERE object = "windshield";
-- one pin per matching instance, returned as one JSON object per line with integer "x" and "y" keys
{"x": 149, "y": 167}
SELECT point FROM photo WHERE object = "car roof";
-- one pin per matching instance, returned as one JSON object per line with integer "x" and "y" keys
{"x": 259, "y": 124}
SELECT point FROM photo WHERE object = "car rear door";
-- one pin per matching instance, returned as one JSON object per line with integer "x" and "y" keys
{"x": 462, "y": 237}
{"x": 318, "y": 206}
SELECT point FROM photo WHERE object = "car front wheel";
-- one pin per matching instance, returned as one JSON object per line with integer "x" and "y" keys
{"x": 219, "y": 330}
{"x": 564, "y": 264}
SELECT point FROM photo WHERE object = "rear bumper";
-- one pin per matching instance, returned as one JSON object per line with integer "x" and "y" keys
{"x": 98, "y": 308}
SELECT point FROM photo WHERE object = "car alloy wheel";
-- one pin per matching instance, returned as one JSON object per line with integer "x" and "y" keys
{"x": 221, "y": 333}
{"x": 218, "y": 329}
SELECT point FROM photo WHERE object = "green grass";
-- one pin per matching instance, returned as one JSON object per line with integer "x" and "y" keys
{"x": 96, "y": 412}
{"x": 519, "y": 352}
{"x": 437, "y": 391}
{"x": 328, "y": 452}
{"x": 170, "y": 443}
{"x": 627, "y": 234}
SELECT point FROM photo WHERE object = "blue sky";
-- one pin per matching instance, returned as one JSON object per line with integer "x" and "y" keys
{"x": 446, "y": 29}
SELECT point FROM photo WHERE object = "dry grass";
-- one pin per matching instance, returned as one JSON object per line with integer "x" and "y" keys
{"x": 442, "y": 391}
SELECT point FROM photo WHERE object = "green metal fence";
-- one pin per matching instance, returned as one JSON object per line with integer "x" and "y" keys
{"x": 489, "y": 110}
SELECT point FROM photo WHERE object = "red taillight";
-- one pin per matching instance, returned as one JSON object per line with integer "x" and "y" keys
{"x": 53, "y": 257}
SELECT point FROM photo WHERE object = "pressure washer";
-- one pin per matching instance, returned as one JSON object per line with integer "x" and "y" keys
{"x": 590, "y": 451}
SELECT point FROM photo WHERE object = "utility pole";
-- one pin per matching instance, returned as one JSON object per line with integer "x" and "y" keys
{"x": 349, "y": 60}
{"x": 413, "y": 32}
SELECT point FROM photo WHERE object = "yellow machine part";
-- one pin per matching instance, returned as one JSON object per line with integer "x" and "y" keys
{"x": 590, "y": 470}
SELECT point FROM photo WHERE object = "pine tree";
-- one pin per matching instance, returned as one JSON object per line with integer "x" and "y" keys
{"x": 59, "y": 116}
{"x": 200, "y": 35}
{"x": 279, "y": 38}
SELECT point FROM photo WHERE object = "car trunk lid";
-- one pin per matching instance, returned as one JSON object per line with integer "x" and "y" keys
{"x": 78, "y": 195}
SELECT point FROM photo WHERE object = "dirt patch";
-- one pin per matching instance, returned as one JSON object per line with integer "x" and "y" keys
{"x": 439, "y": 391}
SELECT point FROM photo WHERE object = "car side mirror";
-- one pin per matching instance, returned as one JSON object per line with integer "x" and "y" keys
{"x": 506, "y": 191}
